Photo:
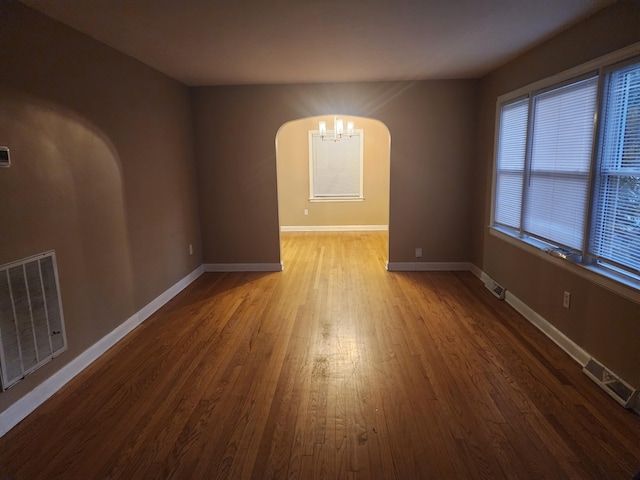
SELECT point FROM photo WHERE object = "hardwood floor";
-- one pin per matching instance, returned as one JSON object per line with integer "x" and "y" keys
{"x": 334, "y": 368}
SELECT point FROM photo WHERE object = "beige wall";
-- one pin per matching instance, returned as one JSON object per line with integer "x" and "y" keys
{"x": 102, "y": 172}
{"x": 293, "y": 177}
{"x": 432, "y": 129}
{"x": 605, "y": 324}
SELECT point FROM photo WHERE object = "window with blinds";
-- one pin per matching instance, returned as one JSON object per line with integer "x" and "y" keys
{"x": 335, "y": 167}
{"x": 558, "y": 173}
{"x": 616, "y": 227}
{"x": 556, "y": 187}
{"x": 510, "y": 162}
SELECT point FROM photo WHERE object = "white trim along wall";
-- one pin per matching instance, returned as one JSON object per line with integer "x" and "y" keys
{"x": 10, "y": 417}
{"x": 27, "y": 404}
{"x": 334, "y": 228}
{"x": 243, "y": 267}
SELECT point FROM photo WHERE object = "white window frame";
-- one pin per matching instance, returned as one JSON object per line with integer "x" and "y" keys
{"x": 314, "y": 136}
{"x": 623, "y": 284}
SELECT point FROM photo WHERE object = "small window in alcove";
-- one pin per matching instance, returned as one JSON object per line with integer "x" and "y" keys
{"x": 335, "y": 166}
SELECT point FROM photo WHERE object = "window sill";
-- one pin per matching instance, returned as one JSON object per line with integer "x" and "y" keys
{"x": 337, "y": 199}
{"x": 619, "y": 284}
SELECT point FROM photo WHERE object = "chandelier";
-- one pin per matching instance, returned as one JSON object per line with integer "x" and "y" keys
{"x": 338, "y": 130}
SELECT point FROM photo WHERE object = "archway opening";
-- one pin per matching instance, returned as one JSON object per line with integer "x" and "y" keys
{"x": 302, "y": 210}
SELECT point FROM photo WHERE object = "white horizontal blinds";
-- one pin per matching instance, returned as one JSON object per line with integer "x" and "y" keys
{"x": 512, "y": 142}
{"x": 561, "y": 144}
{"x": 336, "y": 166}
{"x": 616, "y": 225}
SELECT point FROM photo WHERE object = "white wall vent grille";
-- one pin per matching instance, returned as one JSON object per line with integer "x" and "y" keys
{"x": 494, "y": 287}
{"x": 621, "y": 391}
{"x": 31, "y": 320}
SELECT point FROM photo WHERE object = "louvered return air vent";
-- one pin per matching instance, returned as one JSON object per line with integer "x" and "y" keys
{"x": 623, "y": 393}
{"x": 31, "y": 320}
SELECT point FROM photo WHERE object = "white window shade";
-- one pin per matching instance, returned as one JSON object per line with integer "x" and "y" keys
{"x": 558, "y": 175}
{"x": 336, "y": 167}
{"x": 512, "y": 143}
{"x": 616, "y": 225}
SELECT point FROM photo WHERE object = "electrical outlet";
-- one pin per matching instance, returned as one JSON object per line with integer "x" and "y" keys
{"x": 306, "y": 212}
{"x": 190, "y": 249}
{"x": 566, "y": 300}
{"x": 418, "y": 252}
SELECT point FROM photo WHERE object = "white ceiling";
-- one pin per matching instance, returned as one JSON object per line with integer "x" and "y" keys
{"x": 211, "y": 42}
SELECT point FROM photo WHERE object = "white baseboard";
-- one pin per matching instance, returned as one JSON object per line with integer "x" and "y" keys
{"x": 334, "y": 228}
{"x": 243, "y": 267}
{"x": 565, "y": 343}
{"x": 575, "y": 351}
{"x": 559, "y": 338}
{"x": 16, "y": 412}
{"x": 484, "y": 277}
{"x": 428, "y": 266}
{"x": 476, "y": 271}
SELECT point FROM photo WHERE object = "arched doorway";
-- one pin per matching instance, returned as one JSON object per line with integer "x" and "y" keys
{"x": 298, "y": 212}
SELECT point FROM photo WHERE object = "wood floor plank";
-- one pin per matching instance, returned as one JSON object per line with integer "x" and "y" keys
{"x": 333, "y": 368}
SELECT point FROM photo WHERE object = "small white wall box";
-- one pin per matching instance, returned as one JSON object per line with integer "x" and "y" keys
{"x": 5, "y": 159}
